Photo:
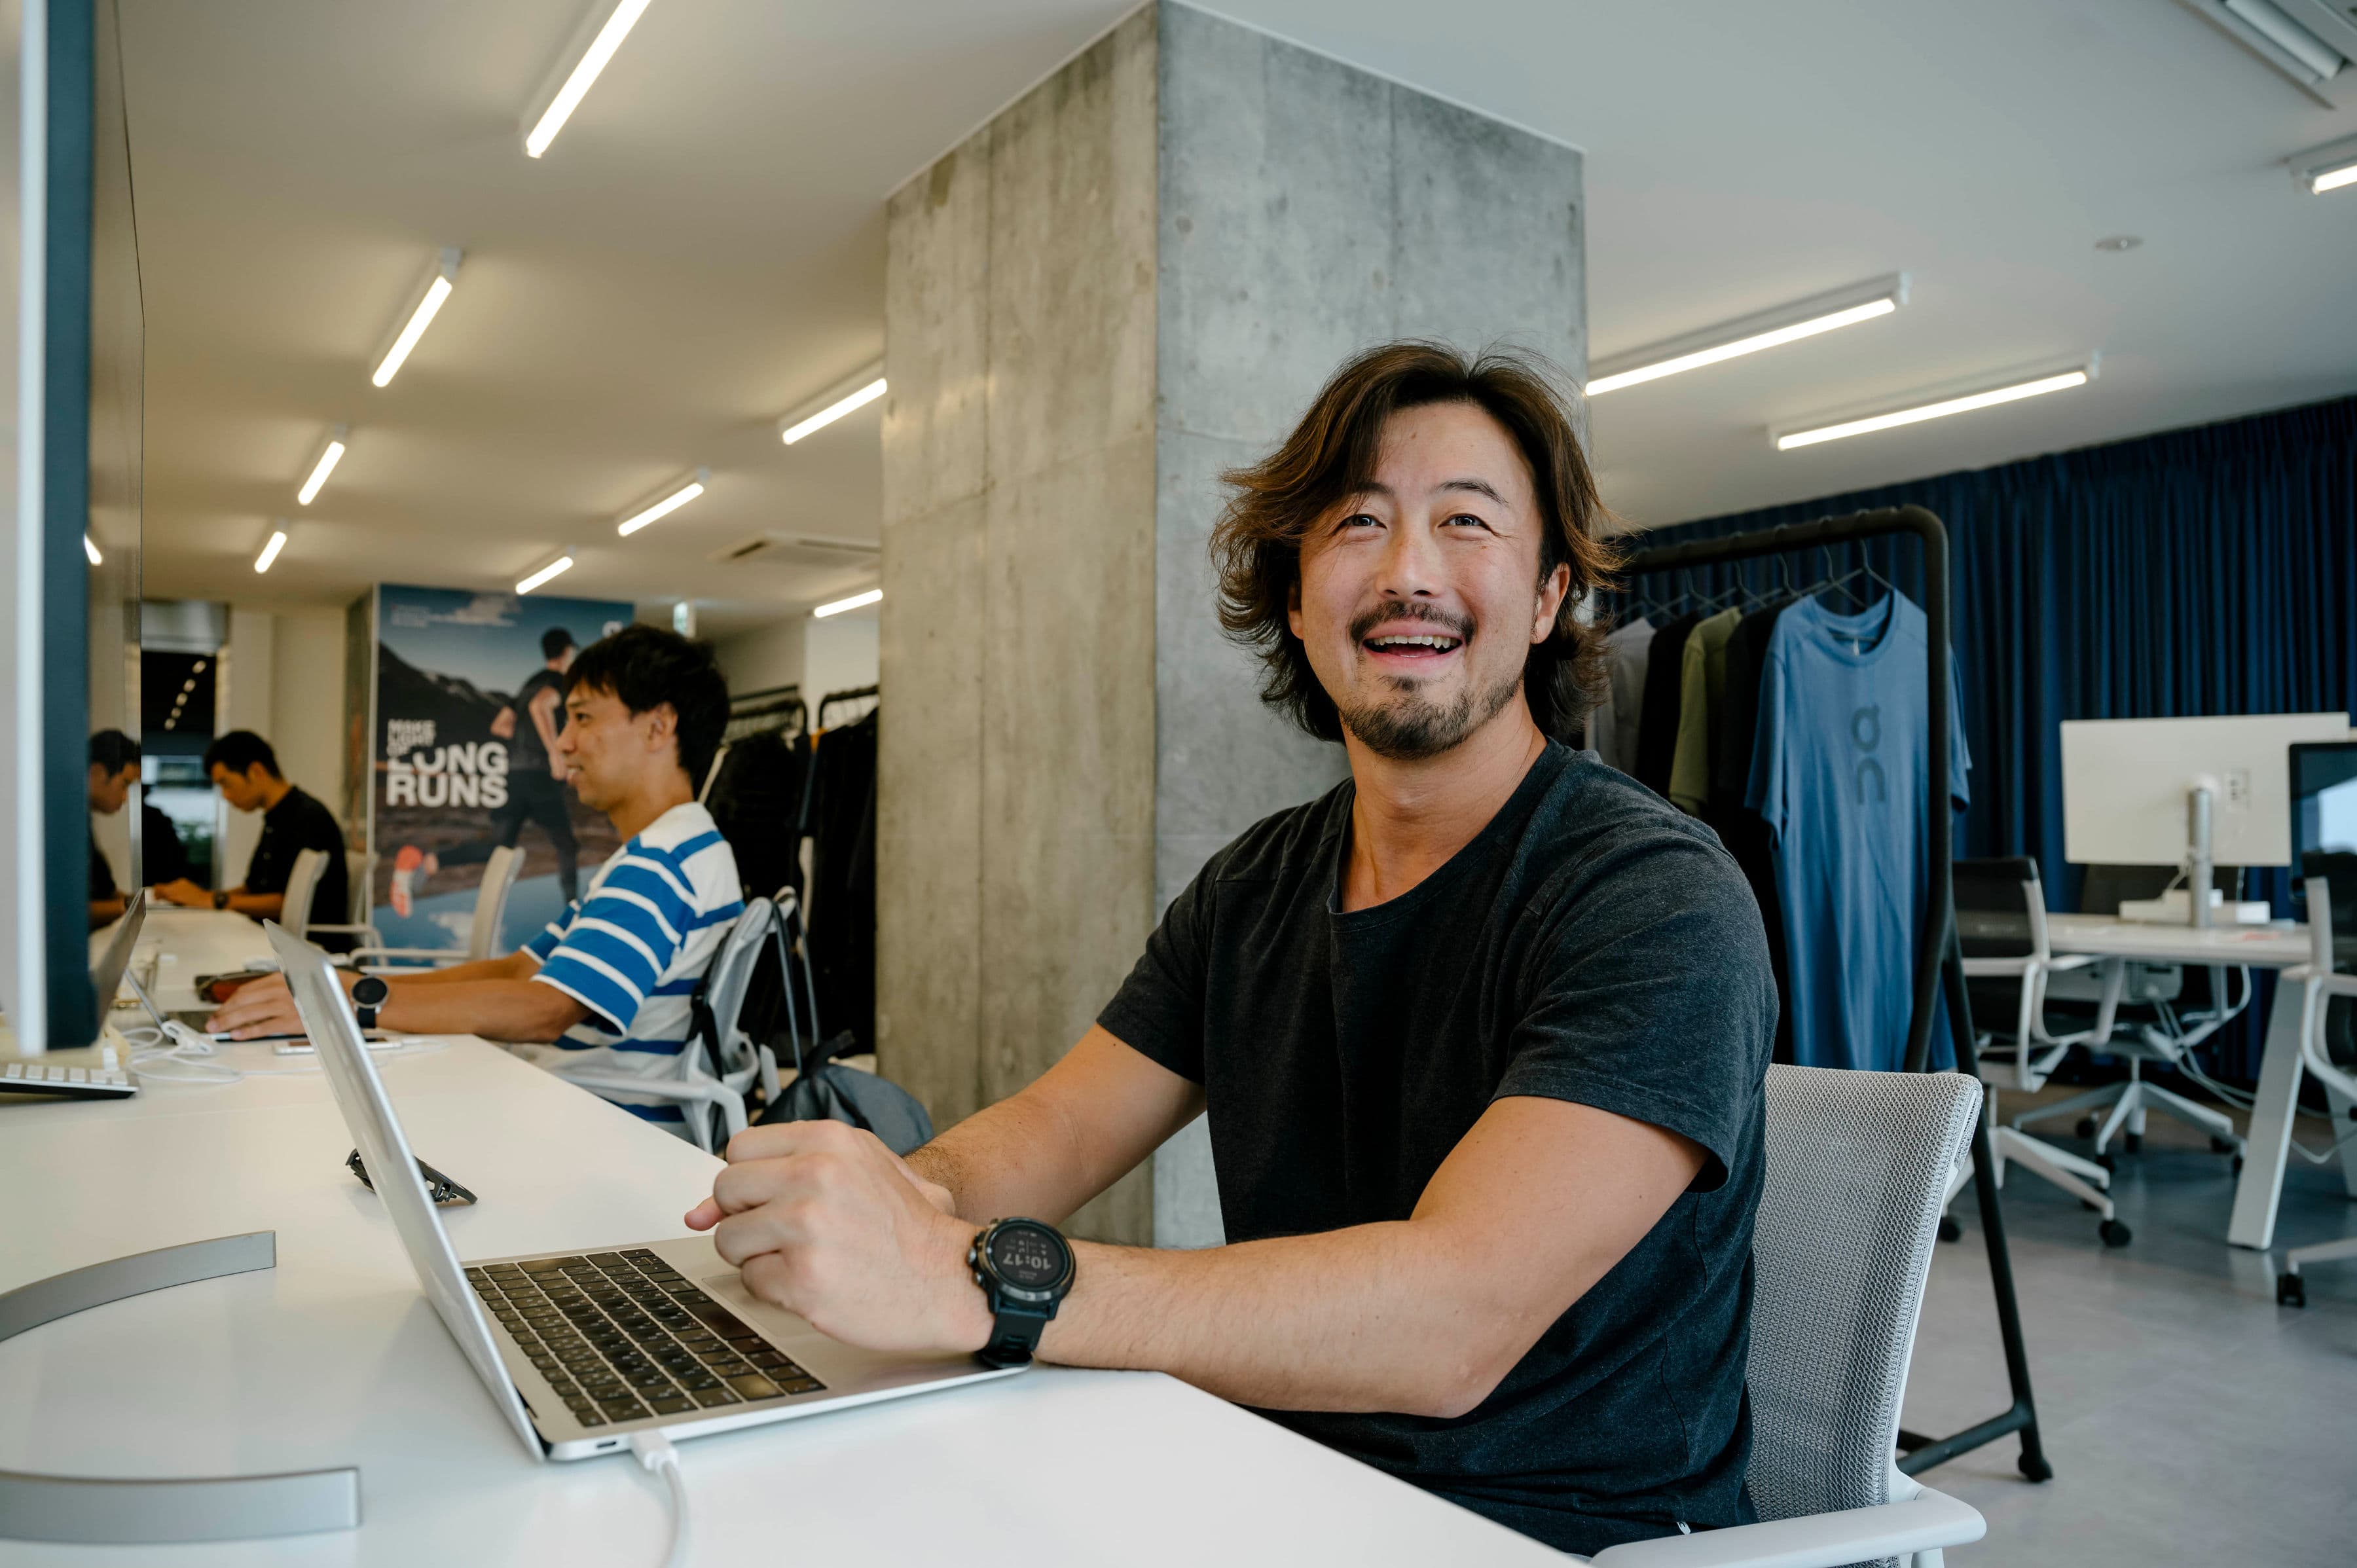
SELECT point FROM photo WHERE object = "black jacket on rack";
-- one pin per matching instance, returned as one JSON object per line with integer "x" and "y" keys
{"x": 757, "y": 804}
{"x": 841, "y": 821}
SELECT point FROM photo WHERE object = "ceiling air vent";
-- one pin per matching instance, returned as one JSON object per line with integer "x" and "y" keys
{"x": 2310, "y": 41}
{"x": 800, "y": 550}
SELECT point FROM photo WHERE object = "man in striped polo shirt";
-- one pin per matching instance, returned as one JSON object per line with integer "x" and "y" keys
{"x": 606, "y": 987}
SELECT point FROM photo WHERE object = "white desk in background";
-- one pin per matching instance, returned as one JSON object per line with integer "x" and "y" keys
{"x": 2268, "y": 1144}
{"x": 334, "y": 1358}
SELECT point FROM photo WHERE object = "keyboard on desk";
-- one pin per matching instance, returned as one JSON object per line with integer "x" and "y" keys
{"x": 65, "y": 1082}
{"x": 621, "y": 1336}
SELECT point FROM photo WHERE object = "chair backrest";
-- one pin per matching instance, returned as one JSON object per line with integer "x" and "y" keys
{"x": 2332, "y": 919}
{"x": 491, "y": 901}
{"x": 302, "y": 887}
{"x": 360, "y": 885}
{"x": 2000, "y": 909}
{"x": 1856, "y": 1168}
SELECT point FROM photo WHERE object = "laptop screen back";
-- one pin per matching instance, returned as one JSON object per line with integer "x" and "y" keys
{"x": 368, "y": 1114}
{"x": 106, "y": 974}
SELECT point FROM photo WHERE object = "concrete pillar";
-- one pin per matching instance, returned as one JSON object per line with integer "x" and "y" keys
{"x": 1133, "y": 278}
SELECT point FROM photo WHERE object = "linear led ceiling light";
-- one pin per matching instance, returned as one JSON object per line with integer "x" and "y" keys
{"x": 2329, "y": 168}
{"x": 330, "y": 456}
{"x": 2012, "y": 389}
{"x": 868, "y": 387}
{"x": 857, "y": 601}
{"x": 593, "y": 44}
{"x": 675, "y": 498}
{"x": 554, "y": 569}
{"x": 424, "y": 300}
{"x": 1750, "y": 334}
{"x": 270, "y": 551}
{"x": 90, "y": 548}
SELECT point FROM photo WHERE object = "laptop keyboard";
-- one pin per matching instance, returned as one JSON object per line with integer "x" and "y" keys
{"x": 623, "y": 1335}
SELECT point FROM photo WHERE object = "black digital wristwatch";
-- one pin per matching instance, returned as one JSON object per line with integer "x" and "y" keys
{"x": 368, "y": 995}
{"x": 1025, "y": 1269}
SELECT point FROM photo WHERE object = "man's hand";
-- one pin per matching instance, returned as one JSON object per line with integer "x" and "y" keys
{"x": 180, "y": 890}
{"x": 822, "y": 1220}
{"x": 263, "y": 1007}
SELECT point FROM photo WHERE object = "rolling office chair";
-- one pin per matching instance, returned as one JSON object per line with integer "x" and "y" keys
{"x": 301, "y": 891}
{"x": 2008, "y": 969}
{"x": 1856, "y": 1165}
{"x": 2327, "y": 1023}
{"x": 2157, "y": 1030}
{"x": 359, "y": 866}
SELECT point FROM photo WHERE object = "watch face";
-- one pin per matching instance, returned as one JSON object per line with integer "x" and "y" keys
{"x": 1026, "y": 1256}
{"x": 371, "y": 991}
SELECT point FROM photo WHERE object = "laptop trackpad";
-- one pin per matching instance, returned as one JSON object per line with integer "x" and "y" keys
{"x": 844, "y": 1368}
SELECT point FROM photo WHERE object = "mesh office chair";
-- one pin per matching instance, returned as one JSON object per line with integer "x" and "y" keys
{"x": 2327, "y": 1022}
{"x": 301, "y": 891}
{"x": 718, "y": 1067}
{"x": 2154, "y": 1026}
{"x": 2008, "y": 967}
{"x": 1858, "y": 1164}
{"x": 359, "y": 867}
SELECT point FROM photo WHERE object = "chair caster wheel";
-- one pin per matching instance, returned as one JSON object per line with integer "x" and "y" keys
{"x": 1951, "y": 1227}
{"x": 2108, "y": 1161}
{"x": 2133, "y": 1143}
{"x": 2223, "y": 1145}
{"x": 2115, "y": 1234}
{"x": 2291, "y": 1291}
{"x": 2086, "y": 1127}
{"x": 2035, "y": 1468}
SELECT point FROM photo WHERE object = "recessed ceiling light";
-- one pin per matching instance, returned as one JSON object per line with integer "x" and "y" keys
{"x": 1750, "y": 334}
{"x": 330, "y": 456}
{"x": 793, "y": 431}
{"x": 2119, "y": 243}
{"x": 270, "y": 551}
{"x": 592, "y": 46}
{"x": 424, "y": 302}
{"x": 857, "y": 601}
{"x": 2012, "y": 389}
{"x": 555, "y": 568}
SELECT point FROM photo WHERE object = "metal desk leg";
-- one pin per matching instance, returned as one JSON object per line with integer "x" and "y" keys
{"x": 2261, "y": 1185}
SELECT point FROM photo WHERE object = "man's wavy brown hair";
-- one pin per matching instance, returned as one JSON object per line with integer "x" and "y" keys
{"x": 1331, "y": 456}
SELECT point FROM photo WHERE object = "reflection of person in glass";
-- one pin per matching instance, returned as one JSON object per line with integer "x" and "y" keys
{"x": 529, "y": 724}
{"x": 113, "y": 770}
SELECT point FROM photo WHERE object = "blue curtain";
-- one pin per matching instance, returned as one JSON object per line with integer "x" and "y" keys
{"x": 2204, "y": 571}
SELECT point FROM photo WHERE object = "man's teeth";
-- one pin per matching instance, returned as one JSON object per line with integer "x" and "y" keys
{"x": 1442, "y": 643}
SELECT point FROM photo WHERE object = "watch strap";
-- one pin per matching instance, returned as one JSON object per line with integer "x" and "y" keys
{"x": 1014, "y": 1331}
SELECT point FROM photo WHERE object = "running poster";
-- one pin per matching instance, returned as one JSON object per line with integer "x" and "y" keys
{"x": 470, "y": 701}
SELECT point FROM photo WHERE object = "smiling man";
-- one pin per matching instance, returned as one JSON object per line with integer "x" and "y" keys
{"x": 608, "y": 985}
{"x": 1481, "y": 1033}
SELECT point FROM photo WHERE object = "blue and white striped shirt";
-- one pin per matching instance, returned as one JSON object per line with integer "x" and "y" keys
{"x": 633, "y": 946}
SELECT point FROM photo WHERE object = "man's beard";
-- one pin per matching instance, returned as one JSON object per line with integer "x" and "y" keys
{"x": 1412, "y": 726}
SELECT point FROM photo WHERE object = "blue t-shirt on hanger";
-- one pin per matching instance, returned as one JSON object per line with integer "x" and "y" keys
{"x": 1840, "y": 772}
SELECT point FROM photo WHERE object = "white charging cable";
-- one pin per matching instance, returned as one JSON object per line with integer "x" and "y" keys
{"x": 656, "y": 1453}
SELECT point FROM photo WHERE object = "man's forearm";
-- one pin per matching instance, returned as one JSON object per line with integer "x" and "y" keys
{"x": 495, "y": 1009}
{"x": 514, "y": 966}
{"x": 261, "y": 905}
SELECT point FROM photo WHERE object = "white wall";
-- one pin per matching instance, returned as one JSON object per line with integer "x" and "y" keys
{"x": 838, "y": 653}
{"x": 764, "y": 657}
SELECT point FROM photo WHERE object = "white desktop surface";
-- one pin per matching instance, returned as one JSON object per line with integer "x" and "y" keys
{"x": 2264, "y": 947}
{"x": 334, "y": 1358}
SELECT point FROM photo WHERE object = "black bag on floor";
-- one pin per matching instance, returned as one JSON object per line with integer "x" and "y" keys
{"x": 828, "y": 1091}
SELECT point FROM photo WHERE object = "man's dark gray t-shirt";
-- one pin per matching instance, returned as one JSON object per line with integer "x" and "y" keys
{"x": 1590, "y": 944}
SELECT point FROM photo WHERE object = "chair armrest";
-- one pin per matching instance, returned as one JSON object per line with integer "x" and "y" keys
{"x": 1997, "y": 968}
{"x": 703, "y": 1091}
{"x": 1925, "y": 1522}
{"x": 2072, "y": 960}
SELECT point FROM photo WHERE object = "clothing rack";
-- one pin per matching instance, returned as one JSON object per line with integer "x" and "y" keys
{"x": 854, "y": 694}
{"x": 771, "y": 708}
{"x": 1939, "y": 964}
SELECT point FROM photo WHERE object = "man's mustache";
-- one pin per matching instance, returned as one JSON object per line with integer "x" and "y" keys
{"x": 1455, "y": 624}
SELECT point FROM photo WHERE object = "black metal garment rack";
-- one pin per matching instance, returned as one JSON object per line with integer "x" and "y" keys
{"x": 1939, "y": 964}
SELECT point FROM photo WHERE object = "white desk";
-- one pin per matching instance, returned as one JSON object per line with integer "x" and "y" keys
{"x": 334, "y": 1358}
{"x": 2268, "y": 1145}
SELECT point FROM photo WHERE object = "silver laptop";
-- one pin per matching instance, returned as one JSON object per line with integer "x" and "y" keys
{"x": 580, "y": 1349}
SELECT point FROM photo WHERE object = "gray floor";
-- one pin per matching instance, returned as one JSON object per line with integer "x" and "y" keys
{"x": 2189, "y": 1419}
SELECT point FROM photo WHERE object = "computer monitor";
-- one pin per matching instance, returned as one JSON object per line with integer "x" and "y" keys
{"x": 2128, "y": 787}
{"x": 70, "y": 578}
{"x": 2323, "y": 804}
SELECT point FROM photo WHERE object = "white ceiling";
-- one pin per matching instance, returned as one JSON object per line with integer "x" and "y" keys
{"x": 702, "y": 251}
